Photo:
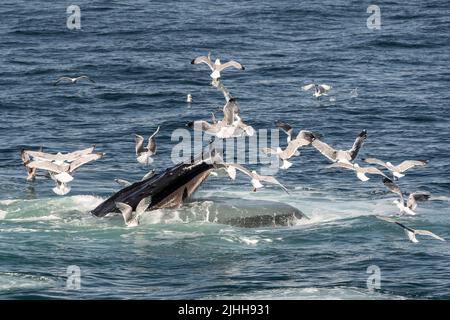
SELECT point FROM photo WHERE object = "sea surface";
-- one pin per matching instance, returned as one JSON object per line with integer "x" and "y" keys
{"x": 139, "y": 53}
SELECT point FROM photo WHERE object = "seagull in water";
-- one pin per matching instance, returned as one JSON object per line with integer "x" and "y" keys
{"x": 360, "y": 171}
{"x": 73, "y": 80}
{"x": 304, "y": 138}
{"x": 127, "y": 211}
{"x": 397, "y": 171}
{"x": 217, "y": 66}
{"x": 413, "y": 198}
{"x": 319, "y": 89}
{"x": 144, "y": 153}
{"x": 26, "y": 160}
{"x": 346, "y": 156}
{"x": 411, "y": 233}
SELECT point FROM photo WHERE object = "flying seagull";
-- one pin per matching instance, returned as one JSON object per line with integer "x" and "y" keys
{"x": 144, "y": 153}
{"x": 217, "y": 66}
{"x": 360, "y": 171}
{"x": 398, "y": 170}
{"x": 61, "y": 172}
{"x": 62, "y": 157}
{"x": 304, "y": 138}
{"x": 346, "y": 156}
{"x": 413, "y": 198}
{"x": 255, "y": 177}
{"x": 411, "y": 233}
{"x": 319, "y": 89}
{"x": 73, "y": 80}
{"x": 127, "y": 211}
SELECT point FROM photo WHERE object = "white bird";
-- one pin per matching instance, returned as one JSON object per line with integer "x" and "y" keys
{"x": 217, "y": 66}
{"x": 413, "y": 198}
{"x": 61, "y": 172}
{"x": 354, "y": 93}
{"x": 189, "y": 98}
{"x": 123, "y": 183}
{"x": 127, "y": 211}
{"x": 256, "y": 179}
{"x": 360, "y": 171}
{"x": 61, "y": 157}
{"x": 346, "y": 156}
{"x": 304, "y": 138}
{"x": 144, "y": 153}
{"x": 411, "y": 233}
{"x": 73, "y": 80}
{"x": 397, "y": 171}
{"x": 26, "y": 160}
{"x": 319, "y": 89}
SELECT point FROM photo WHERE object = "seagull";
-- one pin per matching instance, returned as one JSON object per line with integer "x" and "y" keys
{"x": 125, "y": 183}
{"x": 413, "y": 198}
{"x": 319, "y": 89}
{"x": 189, "y": 98}
{"x": 242, "y": 128}
{"x": 73, "y": 80}
{"x": 255, "y": 177}
{"x": 217, "y": 67}
{"x": 127, "y": 211}
{"x": 346, "y": 156}
{"x": 354, "y": 93}
{"x": 304, "y": 138}
{"x": 360, "y": 171}
{"x": 397, "y": 171}
{"x": 61, "y": 172}
{"x": 67, "y": 157}
{"x": 411, "y": 233}
{"x": 26, "y": 160}
{"x": 144, "y": 153}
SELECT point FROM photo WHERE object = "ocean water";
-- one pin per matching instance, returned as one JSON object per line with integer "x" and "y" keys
{"x": 139, "y": 54}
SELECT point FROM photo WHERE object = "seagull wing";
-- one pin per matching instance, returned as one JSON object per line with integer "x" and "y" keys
{"x": 357, "y": 145}
{"x": 415, "y": 197}
{"x": 408, "y": 164}
{"x": 143, "y": 205}
{"x": 86, "y": 78}
{"x": 308, "y": 87}
{"x": 344, "y": 165}
{"x": 24, "y": 156}
{"x": 306, "y": 137}
{"x": 428, "y": 233}
{"x": 375, "y": 161}
{"x": 85, "y": 159}
{"x": 325, "y": 149}
{"x": 285, "y": 127}
{"x": 203, "y": 59}
{"x": 373, "y": 170}
{"x": 201, "y": 125}
{"x": 150, "y": 174}
{"x": 62, "y": 79}
{"x": 273, "y": 180}
{"x": 387, "y": 219}
{"x": 122, "y": 182}
{"x": 241, "y": 168}
{"x": 269, "y": 151}
{"x": 228, "y": 112}
{"x": 76, "y": 154}
{"x": 45, "y": 165}
{"x": 325, "y": 87}
{"x": 139, "y": 140}
{"x": 230, "y": 63}
{"x": 126, "y": 211}
{"x": 393, "y": 187}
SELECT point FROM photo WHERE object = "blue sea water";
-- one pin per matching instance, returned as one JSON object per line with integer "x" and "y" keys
{"x": 139, "y": 54}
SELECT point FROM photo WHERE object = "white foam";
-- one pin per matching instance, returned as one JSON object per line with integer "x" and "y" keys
{"x": 3, "y": 214}
{"x": 8, "y": 202}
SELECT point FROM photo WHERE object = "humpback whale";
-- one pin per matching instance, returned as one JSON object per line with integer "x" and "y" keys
{"x": 175, "y": 186}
